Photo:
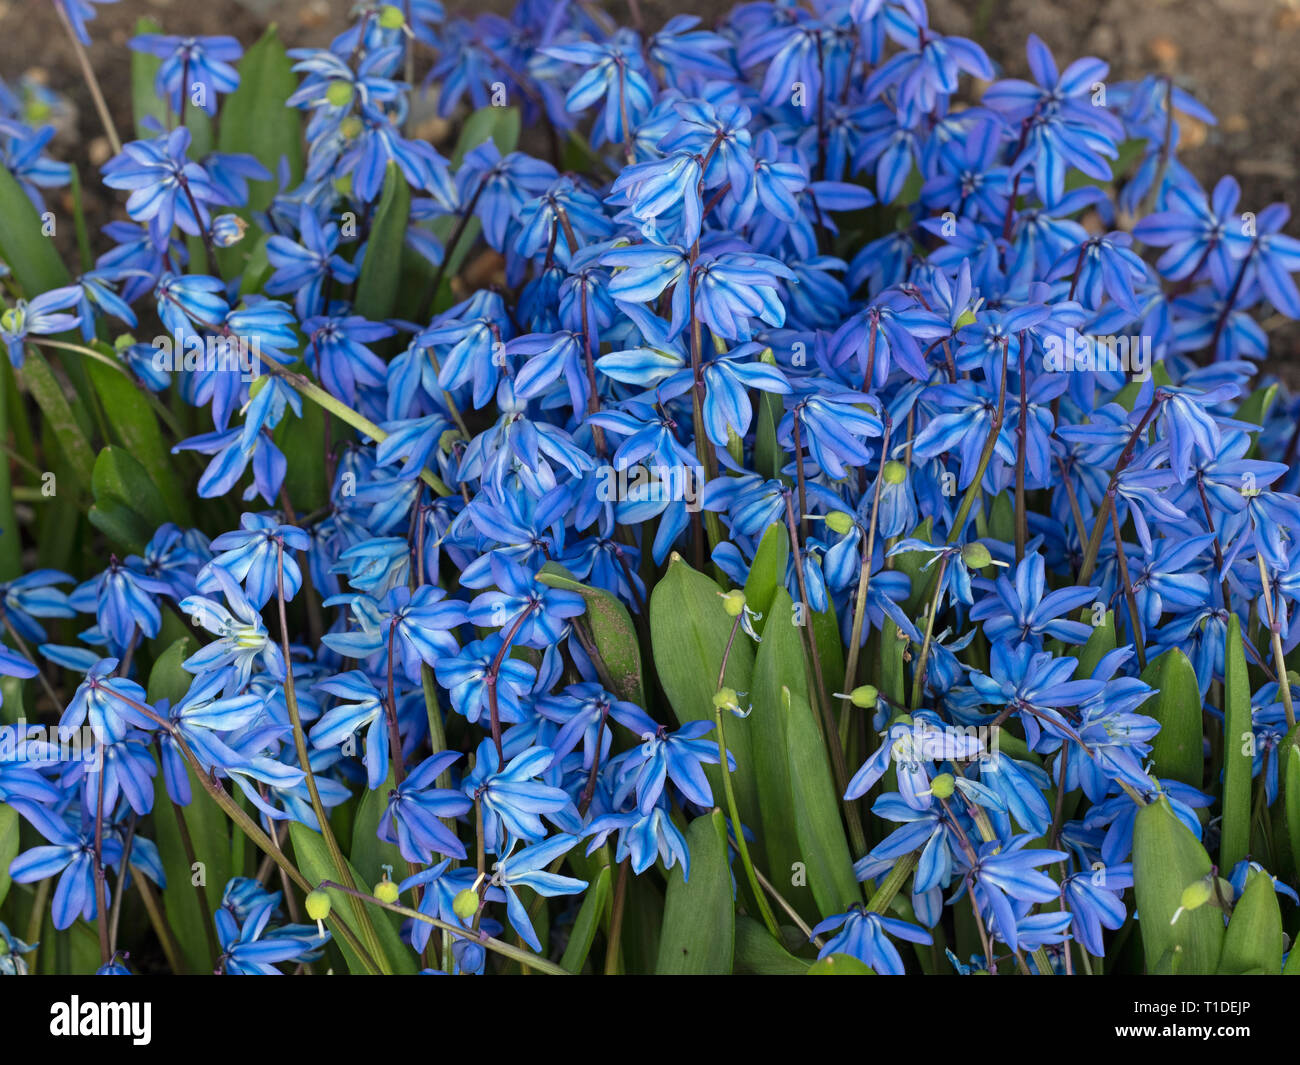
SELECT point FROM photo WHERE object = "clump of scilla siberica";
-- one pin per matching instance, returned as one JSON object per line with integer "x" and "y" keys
{"x": 773, "y": 498}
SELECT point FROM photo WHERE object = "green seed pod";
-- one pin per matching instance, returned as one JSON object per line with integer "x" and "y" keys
{"x": 465, "y": 904}
{"x": 839, "y": 522}
{"x": 339, "y": 94}
{"x": 976, "y": 556}
{"x": 318, "y": 905}
{"x": 726, "y": 698}
{"x": 1196, "y": 894}
{"x": 734, "y": 602}
{"x": 864, "y": 697}
{"x": 386, "y": 891}
{"x": 391, "y": 18}
{"x": 942, "y": 786}
{"x": 894, "y": 472}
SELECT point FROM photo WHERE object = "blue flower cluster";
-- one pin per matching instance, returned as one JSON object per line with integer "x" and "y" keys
{"x": 977, "y": 351}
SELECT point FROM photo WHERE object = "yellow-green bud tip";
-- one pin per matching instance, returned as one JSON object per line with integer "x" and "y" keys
{"x": 318, "y": 905}
{"x": 839, "y": 522}
{"x": 339, "y": 93}
{"x": 1196, "y": 894}
{"x": 465, "y": 904}
{"x": 894, "y": 472}
{"x": 864, "y": 696}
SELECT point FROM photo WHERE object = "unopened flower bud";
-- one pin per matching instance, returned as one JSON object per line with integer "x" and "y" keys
{"x": 318, "y": 905}
{"x": 733, "y": 602}
{"x": 839, "y": 522}
{"x": 894, "y": 472}
{"x": 339, "y": 93}
{"x": 864, "y": 697}
{"x": 465, "y": 904}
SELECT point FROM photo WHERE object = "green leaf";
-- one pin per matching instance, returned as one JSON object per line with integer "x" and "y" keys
{"x": 381, "y": 270}
{"x": 1254, "y": 409}
{"x": 767, "y": 572}
{"x": 10, "y": 544}
{"x": 135, "y": 426}
{"x": 315, "y": 863}
{"x": 369, "y": 853}
{"x": 31, "y": 255}
{"x": 254, "y": 118}
{"x": 1238, "y": 750}
{"x": 822, "y": 843}
{"x": 1253, "y": 942}
{"x": 301, "y": 441}
{"x": 699, "y": 925}
{"x": 758, "y": 954}
{"x": 611, "y": 629}
{"x": 1289, "y": 770}
{"x": 1100, "y": 644}
{"x": 501, "y": 124}
{"x": 779, "y": 664}
{"x": 70, "y": 432}
{"x": 121, "y": 484}
{"x": 1166, "y": 859}
{"x": 1176, "y": 749}
{"x": 145, "y": 101}
{"x": 689, "y": 630}
{"x": 840, "y": 965}
{"x": 587, "y": 922}
{"x": 8, "y": 846}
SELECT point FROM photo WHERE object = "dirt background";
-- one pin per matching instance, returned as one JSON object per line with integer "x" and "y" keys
{"x": 1239, "y": 57}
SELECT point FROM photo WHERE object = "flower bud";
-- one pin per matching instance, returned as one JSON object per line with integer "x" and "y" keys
{"x": 839, "y": 522}
{"x": 318, "y": 905}
{"x": 894, "y": 472}
{"x": 733, "y": 602}
{"x": 339, "y": 93}
{"x": 976, "y": 556}
{"x": 465, "y": 904}
{"x": 1196, "y": 894}
{"x": 864, "y": 697}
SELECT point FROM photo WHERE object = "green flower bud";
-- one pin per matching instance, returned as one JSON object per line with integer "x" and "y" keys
{"x": 864, "y": 696}
{"x": 839, "y": 522}
{"x": 465, "y": 904}
{"x": 339, "y": 93}
{"x": 726, "y": 699}
{"x": 942, "y": 786}
{"x": 976, "y": 556}
{"x": 318, "y": 905}
{"x": 894, "y": 472}
{"x": 1196, "y": 894}
{"x": 733, "y": 602}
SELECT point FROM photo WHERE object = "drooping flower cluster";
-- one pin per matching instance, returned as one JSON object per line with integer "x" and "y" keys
{"x": 790, "y": 298}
